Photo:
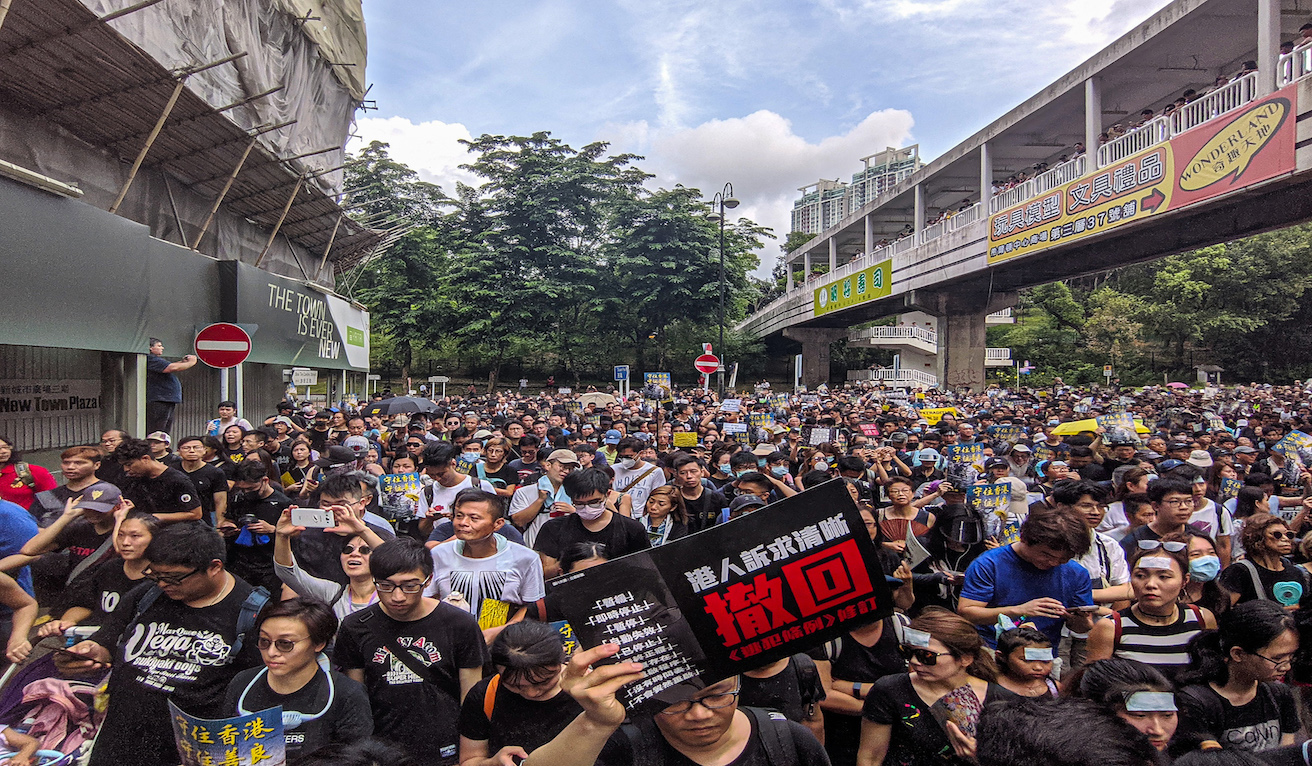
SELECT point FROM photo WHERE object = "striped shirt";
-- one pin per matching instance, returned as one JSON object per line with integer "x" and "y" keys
{"x": 1162, "y": 646}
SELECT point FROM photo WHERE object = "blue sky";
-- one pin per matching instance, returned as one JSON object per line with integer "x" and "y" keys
{"x": 768, "y": 94}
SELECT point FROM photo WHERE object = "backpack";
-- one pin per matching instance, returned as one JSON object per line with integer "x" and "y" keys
{"x": 776, "y": 735}
{"x": 250, "y": 610}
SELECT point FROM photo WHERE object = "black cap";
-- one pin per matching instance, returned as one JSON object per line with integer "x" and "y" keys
{"x": 336, "y": 455}
{"x": 283, "y": 405}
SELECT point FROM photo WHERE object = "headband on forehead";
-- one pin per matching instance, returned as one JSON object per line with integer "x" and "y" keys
{"x": 916, "y": 638}
{"x": 1153, "y": 562}
{"x": 1150, "y": 702}
{"x": 1038, "y": 654}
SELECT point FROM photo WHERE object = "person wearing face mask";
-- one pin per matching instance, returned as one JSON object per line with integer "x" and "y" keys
{"x": 721, "y": 473}
{"x": 634, "y": 476}
{"x": 1204, "y": 588}
{"x": 588, "y": 519}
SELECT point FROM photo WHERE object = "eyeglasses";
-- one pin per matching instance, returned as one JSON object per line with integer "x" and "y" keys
{"x": 1278, "y": 535}
{"x": 1178, "y": 502}
{"x": 168, "y": 579}
{"x": 712, "y": 702}
{"x": 282, "y": 644}
{"x": 1152, "y": 545}
{"x": 922, "y": 655}
{"x": 410, "y": 588}
{"x": 1287, "y": 662}
{"x": 363, "y": 550}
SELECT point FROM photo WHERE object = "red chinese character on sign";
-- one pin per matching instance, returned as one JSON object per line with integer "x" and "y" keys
{"x": 748, "y": 610}
{"x": 830, "y": 577}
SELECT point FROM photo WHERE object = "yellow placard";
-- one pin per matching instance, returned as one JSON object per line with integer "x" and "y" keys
{"x": 935, "y": 414}
{"x": 685, "y": 439}
{"x": 868, "y": 284}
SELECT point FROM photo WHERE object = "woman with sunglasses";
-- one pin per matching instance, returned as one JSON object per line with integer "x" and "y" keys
{"x": 319, "y": 707}
{"x": 347, "y": 599}
{"x": 1157, "y": 628}
{"x": 1266, "y": 573}
{"x": 1230, "y": 693}
{"x": 946, "y": 658}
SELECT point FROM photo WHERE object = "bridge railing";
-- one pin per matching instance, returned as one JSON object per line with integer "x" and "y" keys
{"x": 966, "y": 217}
{"x": 1060, "y": 174}
{"x": 932, "y": 231}
{"x": 1294, "y": 65}
{"x": 1151, "y": 133}
{"x": 895, "y": 333}
{"x": 997, "y": 354}
{"x": 1013, "y": 196}
{"x": 1227, "y": 98}
{"x": 903, "y": 376}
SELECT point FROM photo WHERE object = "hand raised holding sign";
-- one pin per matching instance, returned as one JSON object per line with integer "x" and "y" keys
{"x": 595, "y": 688}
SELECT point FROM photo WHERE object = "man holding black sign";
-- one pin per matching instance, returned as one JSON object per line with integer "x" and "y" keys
{"x": 707, "y": 727}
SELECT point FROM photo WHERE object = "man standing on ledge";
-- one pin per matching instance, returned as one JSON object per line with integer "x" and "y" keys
{"x": 163, "y": 389}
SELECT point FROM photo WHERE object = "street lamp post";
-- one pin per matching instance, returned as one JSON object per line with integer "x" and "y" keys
{"x": 723, "y": 199}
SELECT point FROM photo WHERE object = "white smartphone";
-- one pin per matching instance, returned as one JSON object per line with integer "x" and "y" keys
{"x": 313, "y": 518}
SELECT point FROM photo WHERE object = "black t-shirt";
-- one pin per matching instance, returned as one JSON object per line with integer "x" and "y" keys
{"x": 1095, "y": 473}
{"x": 170, "y": 492}
{"x": 346, "y": 720}
{"x": 526, "y": 473}
{"x": 111, "y": 472}
{"x": 1255, "y": 727}
{"x": 621, "y": 536}
{"x": 247, "y": 555}
{"x": 417, "y": 712}
{"x": 505, "y": 473}
{"x": 618, "y": 750}
{"x": 208, "y": 480}
{"x": 515, "y": 720}
{"x": 80, "y": 538}
{"x": 319, "y": 553}
{"x": 791, "y": 691}
{"x": 705, "y": 510}
{"x": 854, "y": 662}
{"x": 102, "y": 590}
{"x": 917, "y": 738}
{"x": 318, "y": 439}
{"x": 172, "y": 652}
{"x": 1238, "y": 578}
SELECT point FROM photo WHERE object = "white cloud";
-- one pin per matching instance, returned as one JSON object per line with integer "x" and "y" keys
{"x": 760, "y": 154}
{"x": 431, "y": 149}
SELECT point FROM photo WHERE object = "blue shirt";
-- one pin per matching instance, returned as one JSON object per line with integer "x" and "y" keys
{"x": 1001, "y": 578}
{"x": 161, "y": 386}
{"x": 16, "y": 527}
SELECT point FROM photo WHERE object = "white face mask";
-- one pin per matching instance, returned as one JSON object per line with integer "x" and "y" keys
{"x": 591, "y": 511}
{"x": 628, "y": 463}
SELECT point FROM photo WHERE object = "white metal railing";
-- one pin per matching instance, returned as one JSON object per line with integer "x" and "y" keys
{"x": 910, "y": 378}
{"x": 896, "y": 333}
{"x": 1003, "y": 314}
{"x": 1224, "y": 99}
{"x": 1294, "y": 65}
{"x": 1151, "y": 133}
{"x": 967, "y": 216}
{"x": 997, "y": 354}
{"x": 932, "y": 231}
{"x": 1013, "y": 196}
{"x": 901, "y": 246}
{"x": 1056, "y": 176}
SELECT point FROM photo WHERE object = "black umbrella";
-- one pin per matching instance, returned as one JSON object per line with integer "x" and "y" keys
{"x": 400, "y": 405}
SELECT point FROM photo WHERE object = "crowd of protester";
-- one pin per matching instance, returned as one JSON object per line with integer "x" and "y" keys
{"x": 1135, "y": 597}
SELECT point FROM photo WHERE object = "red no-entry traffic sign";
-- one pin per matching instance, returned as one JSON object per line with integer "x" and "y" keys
{"x": 223, "y": 345}
{"x": 706, "y": 363}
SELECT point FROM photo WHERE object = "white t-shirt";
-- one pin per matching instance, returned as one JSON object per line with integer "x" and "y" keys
{"x": 1115, "y": 524}
{"x": 1206, "y": 520}
{"x": 1105, "y": 559}
{"x": 627, "y": 482}
{"x": 526, "y": 496}
{"x": 444, "y": 496}
{"x": 512, "y": 575}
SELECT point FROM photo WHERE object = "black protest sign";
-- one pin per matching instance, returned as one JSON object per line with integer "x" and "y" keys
{"x": 734, "y": 597}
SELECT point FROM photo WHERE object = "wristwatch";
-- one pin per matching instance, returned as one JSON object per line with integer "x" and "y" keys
{"x": 858, "y": 690}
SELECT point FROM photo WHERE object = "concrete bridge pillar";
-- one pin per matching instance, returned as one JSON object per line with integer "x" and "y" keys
{"x": 815, "y": 351}
{"x": 788, "y": 267}
{"x": 961, "y": 333}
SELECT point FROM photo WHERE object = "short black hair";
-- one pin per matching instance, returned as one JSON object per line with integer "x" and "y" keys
{"x": 495, "y": 503}
{"x": 630, "y": 442}
{"x": 582, "y": 552}
{"x": 438, "y": 453}
{"x": 1162, "y": 486}
{"x": 586, "y": 482}
{"x": 403, "y": 554}
{"x": 129, "y": 450}
{"x": 187, "y": 544}
{"x": 250, "y": 471}
{"x": 1040, "y": 732}
{"x": 1060, "y": 529}
{"x": 341, "y": 485}
{"x": 316, "y": 616}
{"x": 1069, "y": 491}
{"x": 189, "y": 439}
{"x": 529, "y": 651}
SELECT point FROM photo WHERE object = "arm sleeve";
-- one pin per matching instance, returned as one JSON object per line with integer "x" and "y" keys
{"x": 470, "y": 644}
{"x": 306, "y": 584}
{"x": 547, "y": 542}
{"x": 1288, "y": 708}
{"x": 977, "y": 585}
{"x": 1236, "y": 580}
{"x": 346, "y": 649}
{"x": 1194, "y": 717}
{"x": 1081, "y": 587}
{"x": 42, "y": 479}
{"x": 357, "y": 719}
{"x": 156, "y": 363}
{"x": 880, "y": 703}
{"x": 473, "y": 723}
{"x": 638, "y": 540}
{"x": 534, "y": 583}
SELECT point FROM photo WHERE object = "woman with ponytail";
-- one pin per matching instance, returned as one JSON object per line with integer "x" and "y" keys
{"x": 1231, "y": 692}
{"x": 948, "y": 661}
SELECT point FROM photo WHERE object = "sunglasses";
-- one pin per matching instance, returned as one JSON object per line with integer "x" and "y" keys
{"x": 282, "y": 644}
{"x": 1283, "y": 535}
{"x": 1152, "y": 545}
{"x": 363, "y": 550}
{"x": 921, "y": 655}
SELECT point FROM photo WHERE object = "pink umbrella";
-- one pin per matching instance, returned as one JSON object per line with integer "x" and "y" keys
{"x": 1177, "y": 385}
